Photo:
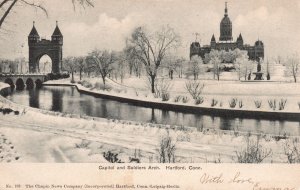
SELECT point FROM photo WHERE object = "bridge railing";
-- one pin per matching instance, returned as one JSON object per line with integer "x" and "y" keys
{"x": 19, "y": 74}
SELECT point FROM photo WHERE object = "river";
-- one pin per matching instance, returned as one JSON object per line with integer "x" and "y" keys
{"x": 69, "y": 100}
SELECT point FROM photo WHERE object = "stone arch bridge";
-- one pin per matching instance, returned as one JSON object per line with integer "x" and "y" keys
{"x": 20, "y": 81}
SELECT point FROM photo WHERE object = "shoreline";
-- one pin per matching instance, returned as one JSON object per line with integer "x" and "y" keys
{"x": 185, "y": 108}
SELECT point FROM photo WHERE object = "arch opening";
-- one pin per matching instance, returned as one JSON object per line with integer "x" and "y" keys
{"x": 38, "y": 83}
{"x": 45, "y": 64}
{"x": 10, "y": 82}
{"x": 20, "y": 84}
{"x": 29, "y": 83}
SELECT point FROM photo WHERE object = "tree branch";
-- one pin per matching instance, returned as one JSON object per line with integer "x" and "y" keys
{"x": 3, "y": 2}
{"x": 83, "y": 3}
{"x": 7, "y": 12}
{"x": 89, "y": 3}
{"x": 36, "y": 6}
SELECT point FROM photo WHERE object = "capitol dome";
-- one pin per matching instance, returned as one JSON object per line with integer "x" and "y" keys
{"x": 259, "y": 43}
{"x": 226, "y": 27}
{"x": 195, "y": 45}
{"x": 226, "y": 21}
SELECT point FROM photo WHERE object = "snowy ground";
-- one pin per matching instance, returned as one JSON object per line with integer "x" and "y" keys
{"x": 40, "y": 137}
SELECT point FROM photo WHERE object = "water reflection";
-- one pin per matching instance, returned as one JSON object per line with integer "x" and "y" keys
{"x": 69, "y": 100}
{"x": 225, "y": 124}
{"x": 34, "y": 99}
{"x": 57, "y": 98}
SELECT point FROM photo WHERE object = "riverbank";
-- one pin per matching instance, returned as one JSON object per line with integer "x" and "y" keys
{"x": 245, "y": 97}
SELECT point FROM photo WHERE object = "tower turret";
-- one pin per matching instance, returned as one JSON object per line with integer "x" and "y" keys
{"x": 33, "y": 36}
{"x": 240, "y": 41}
{"x": 213, "y": 42}
{"x": 195, "y": 49}
{"x": 225, "y": 27}
{"x": 57, "y": 36}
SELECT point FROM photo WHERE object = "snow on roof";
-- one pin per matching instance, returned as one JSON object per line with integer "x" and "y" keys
{"x": 226, "y": 42}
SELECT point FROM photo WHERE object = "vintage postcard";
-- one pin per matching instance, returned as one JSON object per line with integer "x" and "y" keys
{"x": 149, "y": 94}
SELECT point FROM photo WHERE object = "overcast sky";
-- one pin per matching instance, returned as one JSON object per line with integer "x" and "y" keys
{"x": 107, "y": 25}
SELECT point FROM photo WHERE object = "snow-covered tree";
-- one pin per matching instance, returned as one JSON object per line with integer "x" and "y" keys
{"x": 292, "y": 67}
{"x": 206, "y": 58}
{"x": 195, "y": 67}
{"x": 226, "y": 56}
{"x": 243, "y": 66}
{"x": 215, "y": 61}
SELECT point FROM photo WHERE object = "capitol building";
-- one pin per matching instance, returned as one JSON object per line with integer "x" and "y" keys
{"x": 226, "y": 42}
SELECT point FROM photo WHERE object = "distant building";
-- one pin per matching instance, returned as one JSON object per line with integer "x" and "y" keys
{"x": 226, "y": 42}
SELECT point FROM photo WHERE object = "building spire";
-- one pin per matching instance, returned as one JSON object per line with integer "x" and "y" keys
{"x": 213, "y": 39}
{"x": 226, "y": 10}
{"x": 57, "y": 30}
{"x": 34, "y": 31}
{"x": 196, "y": 34}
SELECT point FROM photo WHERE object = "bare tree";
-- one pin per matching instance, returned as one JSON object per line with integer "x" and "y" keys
{"x": 80, "y": 64}
{"x": 120, "y": 66}
{"x": 162, "y": 88}
{"x": 254, "y": 152}
{"x": 292, "y": 150}
{"x": 151, "y": 49}
{"x": 292, "y": 67}
{"x": 170, "y": 64}
{"x": 278, "y": 60}
{"x": 166, "y": 149}
{"x": 70, "y": 65}
{"x": 8, "y": 5}
{"x": 134, "y": 64}
{"x": 268, "y": 68}
{"x": 137, "y": 67}
{"x": 89, "y": 62}
{"x": 195, "y": 88}
{"x": 180, "y": 62}
{"x": 103, "y": 62}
